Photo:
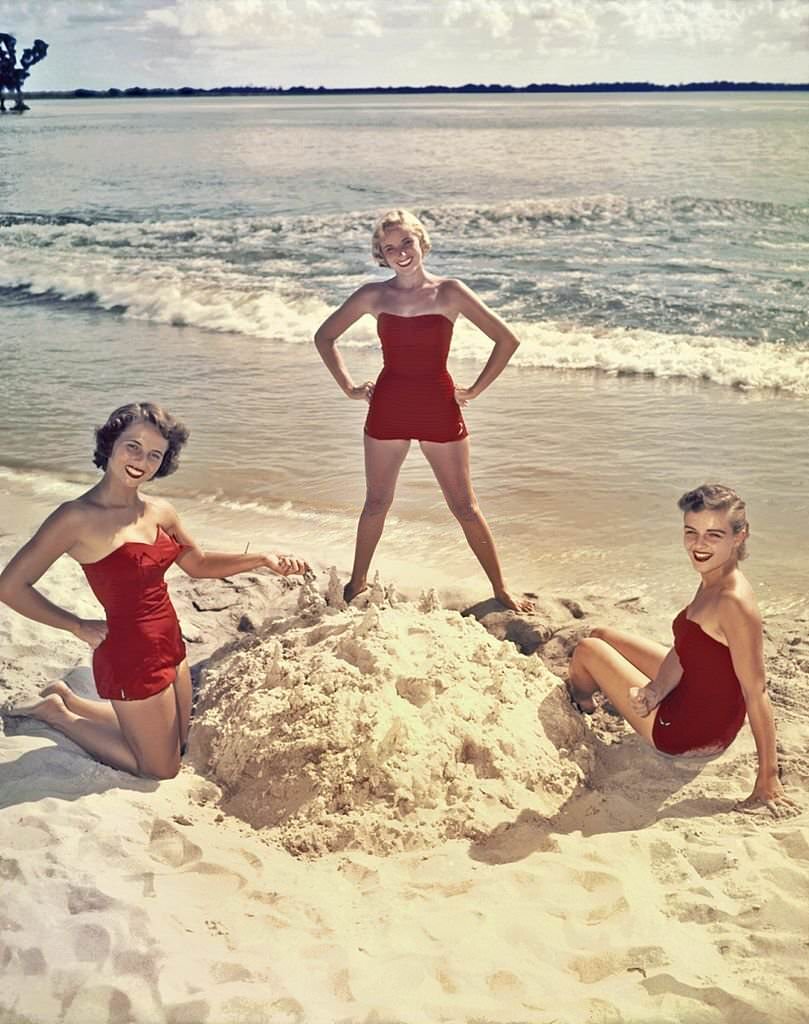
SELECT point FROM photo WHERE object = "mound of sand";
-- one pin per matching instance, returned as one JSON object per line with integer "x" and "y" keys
{"x": 384, "y": 729}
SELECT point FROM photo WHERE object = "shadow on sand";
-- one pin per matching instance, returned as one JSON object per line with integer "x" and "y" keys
{"x": 638, "y": 785}
{"x": 57, "y": 768}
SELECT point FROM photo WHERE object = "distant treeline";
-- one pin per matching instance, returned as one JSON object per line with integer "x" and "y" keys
{"x": 306, "y": 90}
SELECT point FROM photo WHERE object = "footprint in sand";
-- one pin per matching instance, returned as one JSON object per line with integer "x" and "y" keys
{"x": 81, "y": 899}
{"x": 504, "y": 983}
{"x": 134, "y": 963}
{"x": 198, "y": 1011}
{"x": 169, "y": 846}
{"x": 341, "y": 986}
{"x": 32, "y": 961}
{"x": 794, "y": 843}
{"x": 30, "y": 833}
{"x": 10, "y": 870}
{"x": 693, "y": 1000}
{"x": 363, "y": 877}
{"x": 591, "y": 969}
{"x": 194, "y": 883}
{"x": 91, "y": 943}
{"x": 101, "y": 1004}
{"x": 225, "y": 971}
{"x": 697, "y": 906}
{"x": 238, "y": 1010}
{"x": 707, "y": 863}
{"x": 593, "y": 881}
{"x": 609, "y": 892}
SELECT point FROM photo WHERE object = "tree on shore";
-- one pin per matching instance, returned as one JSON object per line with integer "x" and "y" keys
{"x": 11, "y": 76}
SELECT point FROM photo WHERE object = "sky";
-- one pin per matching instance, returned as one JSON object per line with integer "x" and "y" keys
{"x": 98, "y": 44}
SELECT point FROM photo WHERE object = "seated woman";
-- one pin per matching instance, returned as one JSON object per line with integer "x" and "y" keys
{"x": 692, "y": 698}
{"x": 124, "y": 542}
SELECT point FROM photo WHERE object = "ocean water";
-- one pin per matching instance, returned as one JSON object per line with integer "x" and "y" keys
{"x": 651, "y": 252}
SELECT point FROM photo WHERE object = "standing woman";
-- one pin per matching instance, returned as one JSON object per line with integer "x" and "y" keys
{"x": 124, "y": 542}
{"x": 414, "y": 398}
{"x": 692, "y": 699}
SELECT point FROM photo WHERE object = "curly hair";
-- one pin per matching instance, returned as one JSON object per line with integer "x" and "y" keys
{"x": 147, "y": 412}
{"x": 717, "y": 497}
{"x": 398, "y": 219}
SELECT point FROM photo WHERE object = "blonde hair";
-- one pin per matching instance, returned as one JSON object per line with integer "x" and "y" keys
{"x": 718, "y": 498}
{"x": 398, "y": 219}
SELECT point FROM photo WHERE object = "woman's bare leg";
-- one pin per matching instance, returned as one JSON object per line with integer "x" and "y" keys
{"x": 450, "y": 464}
{"x": 151, "y": 728}
{"x": 142, "y": 737}
{"x": 183, "y": 695}
{"x": 84, "y": 707}
{"x": 102, "y": 740}
{"x": 645, "y": 655}
{"x": 596, "y": 665}
{"x": 383, "y": 460}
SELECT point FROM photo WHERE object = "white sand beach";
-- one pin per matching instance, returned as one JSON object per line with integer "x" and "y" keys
{"x": 391, "y": 815}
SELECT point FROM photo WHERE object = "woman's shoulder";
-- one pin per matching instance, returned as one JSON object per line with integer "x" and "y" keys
{"x": 453, "y": 287}
{"x": 67, "y": 524}
{"x": 160, "y": 510}
{"x": 73, "y": 514}
{"x": 736, "y": 605}
{"x": 369, "y": 296}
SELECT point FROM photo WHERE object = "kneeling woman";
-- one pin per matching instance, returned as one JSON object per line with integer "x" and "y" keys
{"x": 692, "y": 698}
{"x": 124, "y": 542}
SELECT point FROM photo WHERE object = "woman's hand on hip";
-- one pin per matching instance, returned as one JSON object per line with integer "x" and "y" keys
{"x": 464, "y": 395}
{"x": 643, "y": 699}
{"x": 362, "y": 391}
{"x": 92, "y": 631}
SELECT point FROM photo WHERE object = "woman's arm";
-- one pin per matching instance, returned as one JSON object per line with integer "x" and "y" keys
{"x": 218, "y": 564}
{"x": 330, "y": 330}
{"x": 646, "y": 698}
{"x": 57, "y": 535}
{"x": 463, "y": 300}
{"x": 740, "y": 622}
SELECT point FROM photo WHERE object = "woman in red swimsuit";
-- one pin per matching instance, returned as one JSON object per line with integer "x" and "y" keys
{"x": 691, "y": 699}
{"x": 414, "y": 398}
{"x": 124, "y": 542}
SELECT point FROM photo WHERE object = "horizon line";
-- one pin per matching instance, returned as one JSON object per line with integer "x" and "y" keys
{"x": 716, "y": 85}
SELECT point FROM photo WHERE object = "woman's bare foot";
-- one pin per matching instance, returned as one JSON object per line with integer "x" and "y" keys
{"x": 60, "y": 688}
{"x": 580, "y": 700}
{"x": 521, "y": 604}
{"x": 44, "y": 709}
{"x": 352, "y": 590}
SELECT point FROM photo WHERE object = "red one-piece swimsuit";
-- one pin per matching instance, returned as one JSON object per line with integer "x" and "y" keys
{"x": 414, "y": 396}
{"x": 143, "y": 645}
{"x": 706, "y": 709}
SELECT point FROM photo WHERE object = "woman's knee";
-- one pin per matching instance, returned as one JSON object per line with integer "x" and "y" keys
{"x": 160, "y": 768}
{"x": 586, "y": 650}
{"x": 464, "y": 508}
{"x": 377, "y": 505}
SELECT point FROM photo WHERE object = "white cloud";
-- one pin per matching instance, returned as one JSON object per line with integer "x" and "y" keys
{"x": 230, "y": 18}
{"x": 256, "y": 23}
{"x": 410, "y": 42}
{"x": 490, "y": 15}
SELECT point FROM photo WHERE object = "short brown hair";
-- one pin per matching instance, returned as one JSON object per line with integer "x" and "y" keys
{"x": 398, "y": 219}
{"x": 717, "y": 497}
{"x": 172, "y": 430}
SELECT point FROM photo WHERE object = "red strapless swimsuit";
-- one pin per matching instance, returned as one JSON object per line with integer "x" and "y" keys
{"x": 414, "y": 396}
{"x": 706, "y": 708}
{"x": 143, "y": 645}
